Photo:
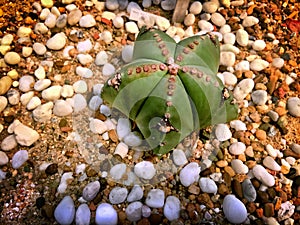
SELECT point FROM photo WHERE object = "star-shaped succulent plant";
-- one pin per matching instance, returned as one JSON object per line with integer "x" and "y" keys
{"x": 171, "y": 89}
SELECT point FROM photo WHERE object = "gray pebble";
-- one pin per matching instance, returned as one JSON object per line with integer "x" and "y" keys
{"x": 83, "y": 215}
{"x": 273, "y": 115}
{"x": 123, "y": 4}
{"x": 61, "y": 21}
{"x": 9, "y": 143}
{"x": 155, "y": 198}
{"x": 259, "y": 97}
{"x": 112, "y": 4}
{"x": 118, "y": 195}
{"x": 293, "y": 106}
{"x": 146, "y": 3}
{"x": 168, "y": 5}
{"x": 156, "y": 2}
{"x": 249, "y": 191}
{"x": 135, "y": 194}
{"x": 108, "y": 69}
{"x": 117, "y": 171}
{"x": 146, "y": 211}
{"x": 3, "y": 158}
{"x": 134, "y": 211}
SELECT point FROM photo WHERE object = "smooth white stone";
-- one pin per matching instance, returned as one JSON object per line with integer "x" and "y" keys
{"x": 84, "y": 72}
{"x": 43, "y": 112}
{"x": 33, "y": 103}
{"x": 270, "y": 163}
{"x": 66, "y": 51}
{"x": 242, "y": 37}
{"x": 106, "y": 36}
{"x": 52, "y": 93}
{"x": 108, "y": 70}
{"x": 234, "y": 210}
{"x": 208, "y": 185}
{"x": 85, "y": 59}
{"x": 218, "y": 19}
{"x": 189, "y": 19}
{"x": 105, "y": 110}
{"x": 80, "y": 87}
{"x": 239, "y": 167}
{"x": 293, "y": 106}
{"x": 229, "y": 78}
{"x": 97, "y": 126}
{"x": 222, "y": 132}
{"x": 25, "y": 135}
{"x": 131, "y": 27}
{"x": 19, "y": 158}
{"x": 42, "y": 84}
{"x": 145, "y": 170}
{"x": 3, "y": 158}
{"x": 118, "y": 22}
{"x": 79, "y": 102}
{"x": 243, "y": 88}
{"x": 249, "y": 21}
{"x": 205, "y": 26}
{"x": 242, "y": 65}
{"x": 39, "y": 48}
{"x": 155, "y": 198}
{"x": 237, "y": 148}
{"x": 118, "y": 195}
{"x": 179, "y": 157}
{"x": 127, "y": 53}
{"x": 87, "y": 21}
{"x": 84, "y": 46}
{"x": 101, "y": 58}
{"x": 26, "y": 83}
{"x": 123, "y": 128}
{"x": 62, "y": 108}
{"x": 162, "y": 23}
{"x": 135, "y": 194}
{"x": 189, "y": 174}
{"x": 117, "y": 171}
{"x": 229, "y": 38}
{"x": 67, "y": 91}
{"x": 57, "y": 42}
{"x": 196, "y": 7}
{"x": 227, "y": 59}
{"x": 259, "y": 45}
{"x": 3, "y": 103}
{"x": 91, "y": 190}
{"x": 9, "y": 143}
{"x": 95, "y": 102}
{"x": 259, "y": 64}
{"x": 83, "y": 215}
{"x": 278, "y": 62}
{"x": 132, "y": 139}
{"x": 65, "y": 211}
{"x": 238, "y": 125}
{"x": 172, "y": 208}
{"x": 263, "y": 176}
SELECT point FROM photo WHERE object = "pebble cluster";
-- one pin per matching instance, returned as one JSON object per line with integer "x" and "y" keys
{"x": 244, "y": 174}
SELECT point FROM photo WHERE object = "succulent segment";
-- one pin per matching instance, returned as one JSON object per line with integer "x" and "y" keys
{"x": 171, "y": 89}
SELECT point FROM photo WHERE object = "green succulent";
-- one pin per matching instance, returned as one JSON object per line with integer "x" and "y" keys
{"x": 171, "y": 89}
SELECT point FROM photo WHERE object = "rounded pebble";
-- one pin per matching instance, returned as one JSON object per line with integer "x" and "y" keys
{"x": 239, "y": 167}
{"x": 222, "y": 132}
{"x": 108, "y": 69}
{"x": 293, "y": 106}
{"x": 227, "y": 59}
{"x": 135, "y": 194}
{"x": 127, "y": 53}
{"x": 243, "y": 88}
{"x": 237, "y": 148}
{"x": 179, "y": 157}
{"x": 87, "y": 21}
{"x": 155, "y": 198}
{"x": 234, "y": 210}
{"x": 172, "y": 208}
{"x": 3, "y": 103}
{"x": 263, "y": 176}
{"x": 74, "y": 17}
{"x": 9, "y": 143}
{"x": 91, "y": 190}
{"x": 83, "y": 215}
{"x": 145, "y": 170}
{"x": 259, "y": 64}
{"x": 208, "y": 185}
{"x": 131, "y": 27}
{"x": 134, "y": 211}
{"x": 218, "y": 19}
{"x": 259, "y": 45}
{"x": 64, "y": 213}
{"x": 62, "y": 108}
{"x": 57, "y": 42}
{"x": 118, "y": 195}
{"x": 242, "y": 37}
{"x": 189, "y": 174}
{"x": 249, "y": 191}
{"x": 3, "y": 158}
{"x": 19, "y": 158}
{"x": 106, "y": 215}
{"x": 270, "y": 163}
{"x": 196, "y": 8}
{"x": 12, "y": 58}
{"x": 101, "y": 58}
{"x": 250, "y": 21}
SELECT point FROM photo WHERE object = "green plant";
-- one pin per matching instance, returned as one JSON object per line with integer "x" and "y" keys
{"x": 171, "y": 89}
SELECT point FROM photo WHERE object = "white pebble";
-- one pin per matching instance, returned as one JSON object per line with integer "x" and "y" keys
{"x": 67, "y": 91}
{"x": 84, "y": 72}
{"x": 95, "y": 102}
{"x": 242, "y": 65}
{"x": 132, "y": 139}
{"x": 106, "y": 36}
{"x": 9, "y": 143}
{"x": 84, "y": 46}
{"x": 105, "y": 110}
{"x": 87, "y": 21}
{"x": 172, "y": 208}
{"x": 65, "y": 211}
{"x": 270, "y": 163}
{"x": 50, "y": 20}
{"x": 52, "y": 93}
{"x": 222, "y": 132}
{"x": 145, "y": 170}
{"x": 179, "y": 157}
{"x": 237, "y": 148}
{"x": 118, "y": 195}
{"x": 189, "y": 174}
{"x": 108, "y": 69}
{"x": 85, "y": 59}
{"x": 238, "y": 125}
{"x": 135, "y": 194}
{"x": 242, "y": 37}
{"x": 249, "y": 21}
{"x": 101, "y": 58}
{"x": 43, "y": 112}
{"x": 26, "y": 83}
{"x": 243, "y": 88}
{"x": 189, "y": 19}
{"x": 57, "y": 42}
{"x": 79, "y": 102}
{"x": 162, "y": 23}
{"x": 293, "y": 106}
{"x": 134, "y": 211}
{"x": 25, "y": 135}
{"x": 121, "y": 150}
{"x": 106, "y": 215}
{"x": 117, "y": 171}
{"x": 39, "y": 48}
{"x": 196, "y": 7}
{"x": 3, "y": 103}
{"x": 239, "y": 167}
{"x": 97, "y": 126}
{"x": 205, "y": 26}
{"x": 19, "y": 158}
{"x": 131, "y": 27}
{"x": 278, "y": 62}
{"x": 123, "y": 128}
{"x": 62, "y": 108}
{"x": 42, "y": 84}
{"x": 91, "y": 190}
{"x": 225, "y": 29}
{"x": 33, "y": 103}
{"x": 208, "y": 185}
{"x": 259, "y": 64}
{"x": 218, "y": 19}
{"x": 118, "y": 22}
{"x": 127, "y": 53}
{"x": 234, "y": 210}
{"x": 259, "y": 45}
{"x": 227, "y": 59}
{"x": 229, "y": 38}
{"x": 80, "y": 86}
{"x": 263, "y": 176}
{"x": 155, "y": 198}
{"x": 229, "y": 79}
{"x": 83, "y": 215}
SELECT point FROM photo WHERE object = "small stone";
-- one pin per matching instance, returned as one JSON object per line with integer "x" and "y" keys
{"x": 168, "y": 5}
{"x": 249, "y": 191}
{"x": 131, "y": 27}
{"x": 108, "y": 70}
{"x": 259, "y": 97}
{"x": 189, "y": 174}
{"x": 237, "y": 148}
{"x": 242, "y": 65}
{"x": 179, "y": 157}
{"x": 208, "y": 185}
{"x": 234, "y": 210}
{"x": 13, "y": 96}
{"x": 135, "y": 194}
{"x": 117, "y": 172}
{"x": 162, "y": 23}
{"x": 106, "y": 36}
{"x": 84, "y": 72}
{"x": 40, "y": 28}
{"x": 155, "y": 198}
{"x": 118, "y": 195}
{"x": 270, "y": 163}
{"x": 40, "y": 72}
{"x": 273, "y": 115}
{"x": 205, "y": 26}
{"x": 87, "y": 21}
{"x": 222, "y": 132}
{"x": 278, "y": 62}
{"x": 263, "y": 176}
{"x": 121, "y": 150}
{"x": 47, "y": 3}
{"x": 97, "y": 126}
{"x": 134, "y": 211}
{"x": 130, "y": 6}
{"x": 51, "y": 169}
{"x": 85, "y": 59}
{"x": 229, "y": 78}
{"x": 26, "y": 51}
{"x": 44, "y": 13}
{"x": 24, "y": 31}
{"x": 293, "y": 106}
{"x": 145, "y": 170}
{"x": 62, "y": 108}
{"x": 83, "y": 215}
{"x": 227, "y": 59}
{"x": 239, "y": 167}
{"x": 25, "y": 135}
{"x": 84, "y": 46}
{"x": 242, "y": 37}
{"x": 243, "y": 88}
{"x": 80, "y": 86}
{"x": 3, "y": 158}
{"x": 295, "y": 147}
{"x": 196, "y": 8}
{"x": 229, "y": 38}
{"x": 39, "y": 48}
{"x": 43, "y": 112}
{"x": 42, "y": 84}
{"x": 91, "y": 190}
{"x": 112, "y": 5}
{"x": 261, "y": 134}
{"x": 7, "y": 39}
{"x": 3, "y": 103}
{"x": 269, "y": 210}
{"x": 259, "y": 64}
{"x": 250, "y": 21}
{"x": 189, "y": 19}
{"x": 132, "y": 139}
{"x": 64, "y": 213}
{"x": 57, "y": 42}
{"x": 118, "y": 22}
{"x": 146, "y": 3}
{"x": 5, "y": 84}
{"x": 95, "y": 102}
{"x": 172, "y": 208}
{"x": 50, "y": 20}
{"x": 105, "y": 110}
{"x": 218, "y": 19}
{"x": 123, "y": 128}
{"x": 19, "y": 158}
{"x": 211, "y": 6}
{"x": 74, "y": 17}
{"x": 12, "y": 58}
{"x": 61, "y": 21}
{"x": 67, "y": 91}
{"x": 33, "y": 103}
{"x": 127, "y": 53}
{"x": 259, "y": 45}
{"x": 52, "y": 93}
{"x": 9, "y": 143}
{"x": 101, "y": 58}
